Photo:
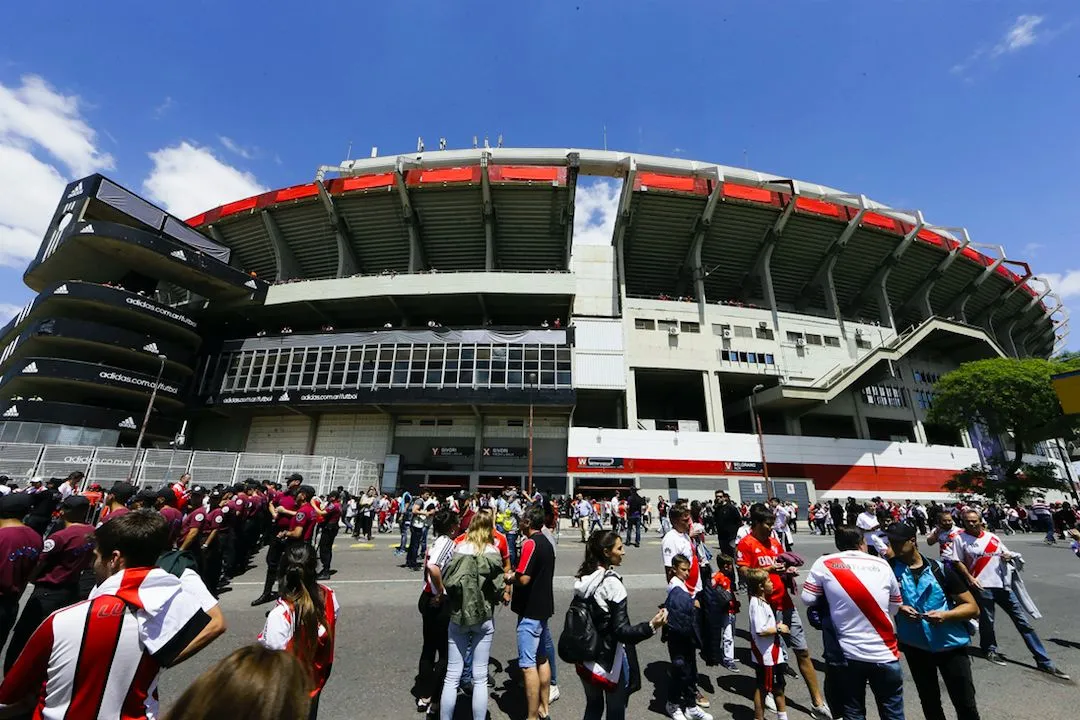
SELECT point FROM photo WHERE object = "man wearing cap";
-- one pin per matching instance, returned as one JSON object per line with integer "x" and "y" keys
{"x": 20, "y": 547}
{"x": 65, "y": 554}
{"x": 282, "y": 509}
{"x": 163, "y": 500}
{"x": 931, "y": 626}
{"x": 329, "y": 533}
{"x": 116, "y": 500}
{"x": 215, "y": 534}
{"x": 302, "y": 523}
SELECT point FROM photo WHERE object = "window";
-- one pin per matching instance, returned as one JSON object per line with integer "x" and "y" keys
{"x": 764, "y": 333}
{"x": 666, "y": 325}
{"x": 928, "y": 378}
{"x": 884, "y": 396}
{"x": 831, "y": 341}
{"x": 642, "y": 324}
{"x": 862, "y": 343}
{"x": 769, "y": 359}
{"x": 794, "y": 336}
{"x": 690, "y": 327}
{"x": 813, "y": 339}
{"x": 718, "y": 330}
{"x": 743, "y": 331}
{"x": 725, "y": 355}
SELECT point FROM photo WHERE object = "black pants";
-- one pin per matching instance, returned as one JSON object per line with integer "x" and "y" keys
{"x": 9, "y": 612}
{"x": 436, "y": 627}
{"x": 415, "y": 538}
{"x": 273, "y": 556}
{"x": 365, "y": 525}
{"x": 326, "y": 546}
{"x": 955, "y": 668}
{"x": 211, "y": 567}
{"x": 43, "y": 602}
{"x": 682, "y": 685}
{"x": 227, "y": 543}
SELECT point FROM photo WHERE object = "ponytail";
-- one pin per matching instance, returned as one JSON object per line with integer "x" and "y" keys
{"x": 296, "y": 580}
{"x": 596, "y": 552}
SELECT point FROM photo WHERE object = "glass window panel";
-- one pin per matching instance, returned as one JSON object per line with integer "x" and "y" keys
{"x": 516, "y": 354}
{"x": 547, "y": 378}
{"x": 532, "y": 353}
{"x": 465, "y": 378}
{"x": 514, "y": 378}
{"x": 547, "y": 353}
{"x": 468, "y": 353}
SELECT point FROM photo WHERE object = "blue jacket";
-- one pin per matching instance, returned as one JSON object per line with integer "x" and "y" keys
{"x": 926, "y": 594}
{"x": 682, "y": 615}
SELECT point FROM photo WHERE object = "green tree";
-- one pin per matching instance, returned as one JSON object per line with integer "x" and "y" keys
{"x": 1009, "y": 397}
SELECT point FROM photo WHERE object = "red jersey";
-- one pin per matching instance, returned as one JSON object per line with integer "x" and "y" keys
{"x": 751, "y": 553}
{"x": 279, "y": 634}
{"x": 286, "y": 502}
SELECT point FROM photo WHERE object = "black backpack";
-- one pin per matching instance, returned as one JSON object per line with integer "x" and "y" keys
{"x": 579, "y": 641}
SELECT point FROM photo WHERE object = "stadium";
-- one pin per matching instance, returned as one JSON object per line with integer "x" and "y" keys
{"x": 434, "y": 313}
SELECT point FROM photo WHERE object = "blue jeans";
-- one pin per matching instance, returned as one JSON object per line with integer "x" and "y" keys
{"x": 596, "y": 698}
{"x": 474, "y": 639}
{"x": 990, "y": 597}
{"x": 886, "y": 681}
{"x": 511, "y": 541}
{"x": 635, "y": 526}
{"x": 549, "y": 648}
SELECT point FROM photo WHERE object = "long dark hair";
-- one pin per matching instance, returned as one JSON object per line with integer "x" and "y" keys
{"x": 600, "y": 543}
{"x": 296, "y": 580}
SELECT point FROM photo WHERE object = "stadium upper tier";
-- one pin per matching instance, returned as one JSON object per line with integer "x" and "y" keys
{"x": 683, "y": 228}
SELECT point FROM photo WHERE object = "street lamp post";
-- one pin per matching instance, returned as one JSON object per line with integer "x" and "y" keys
{"x": 761, "y": 440}
{"x": 532, "y": 385}
{"x": 146, "y": 417}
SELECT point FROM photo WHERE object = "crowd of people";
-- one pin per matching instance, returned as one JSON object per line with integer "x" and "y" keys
{"x": 133, "y": 575}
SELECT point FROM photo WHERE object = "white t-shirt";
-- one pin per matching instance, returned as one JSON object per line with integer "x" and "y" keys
{"x": 863, "y": 595}
{"x": 982, "y": 556}
{"x": 677, "y": 543}
{"x": 782, "y": 514}
{"x": 742, "y": 532}
{"x": 278, "y": 630}
{"x": 866, "y": 521}
{"x": 946, "y": 539}
{"x": 765, "y": 650}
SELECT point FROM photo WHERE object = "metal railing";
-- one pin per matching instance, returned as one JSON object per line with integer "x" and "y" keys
{"x": 106, "y": 465}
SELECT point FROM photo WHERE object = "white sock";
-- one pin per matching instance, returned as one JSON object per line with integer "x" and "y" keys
{"x": 781, "y": 715}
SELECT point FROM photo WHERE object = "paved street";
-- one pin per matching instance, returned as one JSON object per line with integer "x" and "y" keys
{"x": 379, "y": 640}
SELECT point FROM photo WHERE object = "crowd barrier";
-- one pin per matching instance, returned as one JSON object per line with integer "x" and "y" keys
{"x": 106, "y": 465}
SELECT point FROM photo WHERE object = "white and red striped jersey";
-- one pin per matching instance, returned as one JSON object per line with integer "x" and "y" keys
{"x": 982, "y": 556}
{"x": 100, "y": 658}
{"x": 945, "y": 539}
{"x": 765, "y": 650}
{"x": 677, "y": 543}
{"x": 863, "y": 595}
{"x": 279, "y": 633}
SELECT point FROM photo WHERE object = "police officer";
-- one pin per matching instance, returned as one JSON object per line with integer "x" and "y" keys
{"x": 192, "y": 527}
{"x": 282, "y": 508}
{"x": 214, "y": 533}
{"x": 65, "y": 554}
{"x": 20, "y": 548}
{"x": 303, "y": 522}
{"x": 331, "y": 520}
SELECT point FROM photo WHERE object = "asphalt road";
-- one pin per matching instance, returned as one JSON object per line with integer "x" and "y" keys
{"x": 379, "y": 640}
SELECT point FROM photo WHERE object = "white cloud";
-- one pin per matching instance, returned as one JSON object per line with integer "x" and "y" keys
{"x": 8, "y": 311}
{"x": 1066, "y": 284}
{"x": 236, "y": 148}
{"x": 36, "y": 121}
{"x": 595, "y": 207}
{"x": 187, "y": 179}
{"x": 166, "y": 105}
{"x": 1021, "y": 34}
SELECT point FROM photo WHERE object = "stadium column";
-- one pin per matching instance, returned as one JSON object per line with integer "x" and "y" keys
{"x": 622, "y": 220}
{"x": 884, "y": 309}
{"x": 488, "y": 212}
{"x": 714, "y": 406}
{"x": 631, "y": 399}
{"x": 347, "y": 265}
{"x": 1006, "y": 337}
{"x": 478, "y": 451}
{"x": 287, "y": 267}
{"x": 412, "y": 222}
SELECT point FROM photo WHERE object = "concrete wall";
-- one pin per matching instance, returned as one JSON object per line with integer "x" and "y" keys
{"x": 458, "y": 283}
{"x": 596, "y": 293}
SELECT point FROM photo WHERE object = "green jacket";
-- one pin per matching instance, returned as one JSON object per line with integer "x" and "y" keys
{"x": 473, "y": 586}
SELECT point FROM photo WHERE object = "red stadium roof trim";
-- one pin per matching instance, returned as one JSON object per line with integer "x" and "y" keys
{"x": 882, "y": 222}
{"x": 444, "y": 176}
{"x": 820, "y": 207}
{"x": 361, "y": 182}
{"x": 688, "y": 184}
{"x": 735, "y": 191}
{"x": 296, "y": 192}
{"x": 527, "y": 173}
{"x": 239, "y": 206}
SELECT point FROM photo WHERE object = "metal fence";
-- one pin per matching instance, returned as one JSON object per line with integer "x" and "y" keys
{"x": 106, "y": 465}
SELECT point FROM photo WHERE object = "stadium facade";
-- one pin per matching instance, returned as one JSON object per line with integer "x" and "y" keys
{"x": 434, "y": 311}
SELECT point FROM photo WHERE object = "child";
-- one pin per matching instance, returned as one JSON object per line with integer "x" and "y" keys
{"x": 682, "y": 639}
{"x": 722, "y": 581}
{"x": 765, "y": 647}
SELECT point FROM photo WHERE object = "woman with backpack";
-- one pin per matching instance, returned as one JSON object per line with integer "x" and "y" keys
{"x": 612, "y": 674}
{"x": 473, "y": 586}
{"x": 304, "y": 619}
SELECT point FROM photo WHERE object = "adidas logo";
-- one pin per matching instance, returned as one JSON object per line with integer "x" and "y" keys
{"x": 178, "y": 254}
{"x": 11, "y": 412}
{"x": 284, "y": 397}
{"x": 151, "y": 348}
{"x": 62, "y": 290}
{"x": 251, "y": 284}
{"x": 30, "y": 369}
{"x": 75, "y": 191}
{"x": 87, "y": 229}
{"x": 127, "y": 423}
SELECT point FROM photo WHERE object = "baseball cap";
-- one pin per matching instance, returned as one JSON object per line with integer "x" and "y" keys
{"x": 122, "y": 491}
{"x": 75, "y": 502}
{"x": 295, "y": 476}
{"x": 900, "y": 532}
{"x": 308, "y": 490}
{"x": 15, "y": 505}
{"x": 36, "y": 480}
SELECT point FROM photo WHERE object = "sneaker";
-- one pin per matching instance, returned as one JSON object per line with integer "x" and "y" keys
{"x": 696, "y": 713}
{"x": 674, "y": 712}
{"x": 996, "y": 658}
{"x": 553, "y": 694}
{"x": 732, "y": 666}
{"x": 1053, "y": 671}
{"x": 702, "y": 701}
{"x": 770, "y": 703}
{"x": 821, "y": 712}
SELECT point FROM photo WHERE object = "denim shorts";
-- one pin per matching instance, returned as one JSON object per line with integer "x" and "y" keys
{"x": 532, "y": 639}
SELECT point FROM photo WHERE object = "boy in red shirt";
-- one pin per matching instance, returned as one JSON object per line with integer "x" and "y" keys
{"x": 722, "y": 580}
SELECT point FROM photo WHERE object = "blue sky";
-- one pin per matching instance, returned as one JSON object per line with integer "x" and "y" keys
{"x": 965, "y": 110}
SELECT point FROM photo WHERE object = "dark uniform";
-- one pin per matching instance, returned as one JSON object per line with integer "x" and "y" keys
{"x": 66, "y": 553}
{"x": 331, "y": 520}
{"x": 215, "y": 530}
{"x": 283, "y": 522}
{"x": 20, "y": 548}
